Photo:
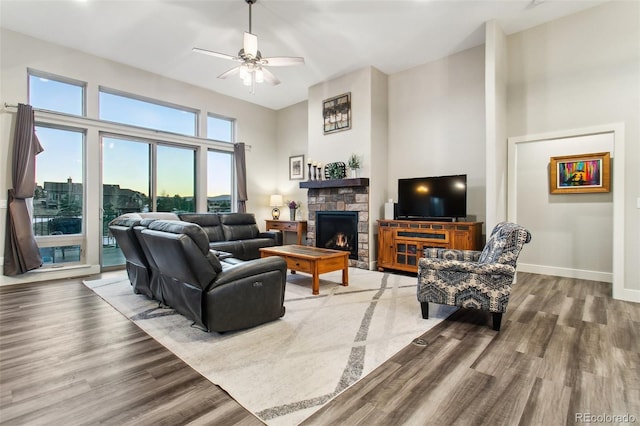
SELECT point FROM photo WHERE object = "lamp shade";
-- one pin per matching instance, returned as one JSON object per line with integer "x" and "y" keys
{"x": 276, "y": 201}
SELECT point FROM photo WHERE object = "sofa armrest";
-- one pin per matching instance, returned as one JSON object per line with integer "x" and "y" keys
{"x": 468, "y": 267}
{"x": 275, "y": 235}
{"x": 250, "y": 268}
{"x": 452, "y": 254}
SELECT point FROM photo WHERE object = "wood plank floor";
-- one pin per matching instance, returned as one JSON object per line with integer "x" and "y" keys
{"x": 566, "y": 348}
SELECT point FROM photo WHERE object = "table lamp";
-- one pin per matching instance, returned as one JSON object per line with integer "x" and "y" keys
{"x": 275, "y": 201}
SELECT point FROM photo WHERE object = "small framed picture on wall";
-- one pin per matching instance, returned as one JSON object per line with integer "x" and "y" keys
{"x": 296, "y": 167}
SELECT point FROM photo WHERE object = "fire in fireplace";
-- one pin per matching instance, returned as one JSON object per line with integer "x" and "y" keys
{"x": 338, "y": 230}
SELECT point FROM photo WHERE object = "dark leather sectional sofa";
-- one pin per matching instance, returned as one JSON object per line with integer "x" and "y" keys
{"x": 235, "y": 233}
{"x": 171, "y": 260}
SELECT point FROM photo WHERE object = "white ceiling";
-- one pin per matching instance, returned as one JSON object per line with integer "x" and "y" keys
{"x": 334, "y": 36}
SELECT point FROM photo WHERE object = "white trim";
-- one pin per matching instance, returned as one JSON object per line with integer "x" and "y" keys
{"x": 49, "y": 274}
{"x": 618, "y": 188}
{"x": 582, "y": 274}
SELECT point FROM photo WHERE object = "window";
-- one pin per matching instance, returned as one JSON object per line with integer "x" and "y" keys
{"x": 58, "y": 203}
{"x": 219, "y": 181}
{"x": 176, "y": 179}
{"x": 219, "y": 128}
{"x": 56, "y": 93}
{"x": 125, "y": 109}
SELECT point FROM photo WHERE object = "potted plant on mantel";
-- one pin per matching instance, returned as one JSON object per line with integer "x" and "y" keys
{"x": 354, "y": 165}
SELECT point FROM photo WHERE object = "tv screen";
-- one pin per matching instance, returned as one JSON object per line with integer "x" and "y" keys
{"x": 436, "y": 197}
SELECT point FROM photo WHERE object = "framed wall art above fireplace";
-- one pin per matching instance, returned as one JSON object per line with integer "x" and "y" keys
{"x": 336, "y": 113}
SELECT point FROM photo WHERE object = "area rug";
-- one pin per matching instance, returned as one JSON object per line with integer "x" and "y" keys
{"x": 285, "y": 370}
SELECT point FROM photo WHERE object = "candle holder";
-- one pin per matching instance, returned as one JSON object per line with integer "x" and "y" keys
{"x": 315, "y": 172}
{"x": 309, "y": 176}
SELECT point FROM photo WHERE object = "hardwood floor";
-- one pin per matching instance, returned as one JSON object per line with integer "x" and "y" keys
{"x": 566, "y": 349}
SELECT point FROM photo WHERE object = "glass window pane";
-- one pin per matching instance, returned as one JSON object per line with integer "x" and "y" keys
{"x": 125, "y": 188}
{"x": 60, "y": 254}
{"x": 219, "y": 169}
{"x": 59, "y": 197}
{"x": 220, "y": 129}
{"x": 175, "y": 179}
{"x": 135, "y": 112}
{"x": 54, "y": 95}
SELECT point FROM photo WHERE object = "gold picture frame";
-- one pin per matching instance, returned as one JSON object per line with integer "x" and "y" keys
{"x": 336, "y": 113}
{"x": 582, "y": 173}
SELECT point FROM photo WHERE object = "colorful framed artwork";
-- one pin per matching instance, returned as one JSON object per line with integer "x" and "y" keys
{"x": 336, "y": 113}
{"x": 296, "y": 167}
{"x": 580, "y": 173}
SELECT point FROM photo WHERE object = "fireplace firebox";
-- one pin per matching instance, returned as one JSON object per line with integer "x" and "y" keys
{"x": 338, "y": 230}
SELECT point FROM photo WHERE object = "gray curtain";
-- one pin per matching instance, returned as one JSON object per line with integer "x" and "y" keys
{"x": 21, "y": 252}
{"x": 241, "y": 172}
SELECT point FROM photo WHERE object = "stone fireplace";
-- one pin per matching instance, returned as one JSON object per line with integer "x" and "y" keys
{"x": 338, "y": 230}
{"x": 336, "y": 197}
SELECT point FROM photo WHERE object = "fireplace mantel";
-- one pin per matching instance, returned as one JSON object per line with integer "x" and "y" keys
{"x": 335, "y": 183}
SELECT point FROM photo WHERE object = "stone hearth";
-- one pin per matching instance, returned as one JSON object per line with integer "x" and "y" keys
{"x": 341, "y": 195}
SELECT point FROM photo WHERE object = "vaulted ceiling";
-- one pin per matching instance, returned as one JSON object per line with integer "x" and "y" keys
{"x": 334, "y": 36}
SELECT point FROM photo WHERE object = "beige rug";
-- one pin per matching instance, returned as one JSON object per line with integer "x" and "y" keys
{"x": 286, "y": 370}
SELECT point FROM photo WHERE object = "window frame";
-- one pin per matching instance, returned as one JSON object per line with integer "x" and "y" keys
{"x": 60, "y": 79}
{"x": 115, "y": 92}
{"x": 232, "y": 122}
{"x": 80, "y": 239}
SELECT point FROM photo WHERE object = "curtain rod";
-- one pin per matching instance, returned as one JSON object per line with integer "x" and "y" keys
{"x": 6, "y": 105}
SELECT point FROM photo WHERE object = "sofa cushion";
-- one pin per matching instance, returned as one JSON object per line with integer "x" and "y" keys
{"x": 239, "y": 226}
{"x": 193, "y": 231}
{"x": 210, "y": 222}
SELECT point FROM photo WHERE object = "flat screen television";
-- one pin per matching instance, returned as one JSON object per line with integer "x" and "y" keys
{"x": 433, "y": 198}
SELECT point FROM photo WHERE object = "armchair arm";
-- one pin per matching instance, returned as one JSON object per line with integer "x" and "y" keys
{"x": 452, "y": 254}
{"x": 276, "y": 235}
{"x": 250, "y": 268}
{"x": 468, "y": 267}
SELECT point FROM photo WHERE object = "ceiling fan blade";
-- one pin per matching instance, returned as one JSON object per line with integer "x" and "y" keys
{"x": 270, "y": 78}
{"x": 215, "y": 54}
{"x": 282, "y": 61}
{"x": 250, "y": 44}
{"x": 229, "y": 73}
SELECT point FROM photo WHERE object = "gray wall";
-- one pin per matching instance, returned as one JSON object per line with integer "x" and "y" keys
{"x": 580, "y": 71}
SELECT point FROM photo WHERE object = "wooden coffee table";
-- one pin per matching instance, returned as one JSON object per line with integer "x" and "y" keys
{"x": 312, "y": 260}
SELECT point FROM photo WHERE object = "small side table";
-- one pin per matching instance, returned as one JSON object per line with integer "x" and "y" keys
{"x": 297, "y": 226}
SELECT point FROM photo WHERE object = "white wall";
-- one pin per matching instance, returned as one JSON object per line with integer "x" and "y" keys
{"x": 573, "y": 233}
{"x": 292, "y": 134}
{"x": 256, "y": 125}
{"x": 437, "y": 124}
{"x": 582, "y": 71}
{"x": 339, "y": 146}
{"x": 496, "y": 123}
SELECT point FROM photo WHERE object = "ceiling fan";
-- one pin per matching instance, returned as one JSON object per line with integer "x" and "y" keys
{"x": 252, "y": 65}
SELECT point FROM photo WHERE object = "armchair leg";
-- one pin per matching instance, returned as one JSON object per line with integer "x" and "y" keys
{"x": 424, "y": 306}
{"x": 497, "y": 319}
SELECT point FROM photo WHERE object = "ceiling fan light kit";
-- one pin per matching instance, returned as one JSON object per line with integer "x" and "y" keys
{"x": 251, "y": 70}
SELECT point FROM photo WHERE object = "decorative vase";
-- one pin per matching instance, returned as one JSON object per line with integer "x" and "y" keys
{"x": 354, "y": 173}
{"x": 292, "y": 214}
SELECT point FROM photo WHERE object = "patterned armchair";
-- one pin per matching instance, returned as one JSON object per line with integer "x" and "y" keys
{"x": 473, "y": 279}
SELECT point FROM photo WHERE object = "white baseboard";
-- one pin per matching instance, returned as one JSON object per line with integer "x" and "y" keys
{"x": 582, "y": 274}
{"x": 48, "y": 274}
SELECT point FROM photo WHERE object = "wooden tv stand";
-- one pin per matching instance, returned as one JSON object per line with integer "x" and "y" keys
{"x": 402, "y": 242}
